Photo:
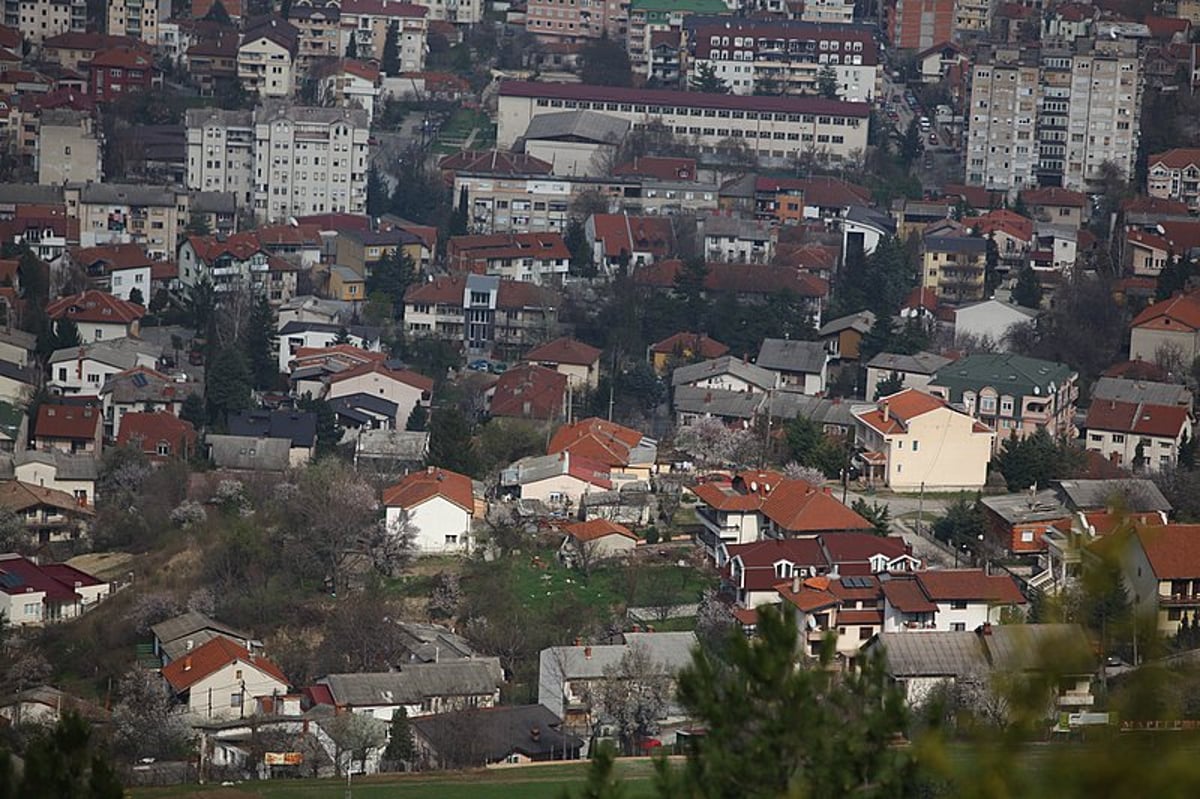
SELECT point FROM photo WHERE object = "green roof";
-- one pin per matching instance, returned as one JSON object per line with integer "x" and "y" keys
{"x": 1013, "y": 375}
{"x": 685, "y": 6}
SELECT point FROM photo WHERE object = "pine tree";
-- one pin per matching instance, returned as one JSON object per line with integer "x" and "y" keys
{"x": 135, "y": 296}
{"x": 459, "y": 221}
{"x": 390, "y": 63}
{"x": 352, "y": 46}
{"x": 329, "y": 432}
{"x": 392, "y": 275}
{"x": 193, "y": 411}
{"x": 418, "y": 419}
{"x": 827, "y": 82}
{"x": 706, "y": 80}
{"x": 450, "y": 444}
{"x": 258, "y": 343}
{"x": 228, "y": 386}
{"x": 400, "y": 749}
{"x": 1028, "y": 289}
{"x": 377, "y": 193}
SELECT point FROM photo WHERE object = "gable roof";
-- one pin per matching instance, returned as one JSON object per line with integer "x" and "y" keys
{"x": 797, "y": 507}
{"x": 67, "y": 421}
{"x": 495, "y": 162}
{"x": 422, "y": 486}
{"x": 189, "y": 623}
{"x": 497, "y": 732}
{"x": 1183, "y": 309}
{"x": 564, "y": 350}
{"x": 861, "y": 322}
{"x": 95, "y": 306}
{"x": 578, "y": 125}
{"x": 948, "y": 585}
{"x": 624, "y": 234}
{"x": 604, "y": 442}
{"x": 789, "y": 355}
{"x": 751, "y": 373}
{"x": 412, "y": 683}
{"x": 249, "y": 453}
{"x": 920, "y": 363}
{"x": 19, "y": 575}
{"x": 17, "y": 496}
{"x": 597, "y": 528}
{"x": 1135, "y": 494}
{"x": 892, "y": 413}
{"x": 1172, "y": 549}
{"x": 211, "y": 657}
{"x": 1055, "y": 196}
{"x": 151, "y": 428}
{"x": 662, "y": 168}
{"x": 694, "y": 344}
{"x": 1137, "y": 418}
{"x": 405, "y": 376}
{"x": 298, "y": 427}
{"x": 529, "y": 391}
{"x": 1176, "y": 158}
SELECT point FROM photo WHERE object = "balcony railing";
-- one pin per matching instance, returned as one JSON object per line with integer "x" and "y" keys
{"x": 1179, "y": 600}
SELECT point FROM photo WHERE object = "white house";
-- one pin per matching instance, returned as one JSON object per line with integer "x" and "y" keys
{"x": 85, "y": 369}
{"x": 31, "y": 594}
{"x": 597, "y": 538}
{"x": 989, "y": 320}
{"x": 73, "y": 474}
{"x": 438, "y": 505}
{"x": 726, "y": 373}
{"x": 266, "y": 57}
{"x": 295, "y": 336}
{"x": 559, "y": 480}
{"x": 1137, "y": 435}
{"x": 948, "y": 600}
{"x": 222, "y": 680}
{"x": 404, "y": 388}
{"x": 422, "y": 689}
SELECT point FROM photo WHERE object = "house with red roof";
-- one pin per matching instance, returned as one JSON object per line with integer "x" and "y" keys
{"x": 586, "y": 543}
{"x": 122, "y": 70}
{"x": 1056, "y": 205}
{"x": 73, "y": 429}
{"x": 221, "y": 680}
{"x": 948, "y": 600}
{"x": 160, "y": 435}
{"x": 403, "y": 387}
{"x": 914, "y": 441}
{"x": 1162, "y": 568}
{"x": 529, "y": 391}
{"x": 31, "y": 594}
{"x": 578, "y": 362}
{"x": 436, "y": 506}
{"x": 1175, "y": 175}
{"x": 100, "y": 316}
{"x": 560, "y": 481}
{"x": 621, "y": 448}
{"x": 1012, "y": 232}
{"x": 245, "y": 259}
{"x": 1171, "y": 325}
{"x": 683, "y": 347}
{"x": 1137, "y": 435}
{"x": 663, "y": 168}
{"x": 531, "y": 257}
{"x": 142, "y": 389}
{"x": 47, "y": 513}
{"x": 116, "y": 268}
{"x": 623, "y": 241}
{"x": 849, "y": 608}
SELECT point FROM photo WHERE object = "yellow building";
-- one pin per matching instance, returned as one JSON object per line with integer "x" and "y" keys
{"x": 360, "y": 250}
{"x": 953, "y": 262}
{"x": 345, "y": 284}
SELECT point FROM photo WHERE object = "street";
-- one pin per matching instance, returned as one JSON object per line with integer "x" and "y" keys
{"x": 903, "y": 509}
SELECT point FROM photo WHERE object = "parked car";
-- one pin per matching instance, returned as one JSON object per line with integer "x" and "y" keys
{"x": 480, "y": 365}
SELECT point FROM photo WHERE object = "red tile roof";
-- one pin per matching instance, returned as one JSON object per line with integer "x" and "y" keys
{"x": 847, "y": 548}
{"x": 67, "y": 421}
{"x": 25, "y": 574}
{"x": 1154, "y": 205}
{"x": 690, "y": 345}
{"x": 69, "y": 575}
{"x": 662, "y": 168}
{"x": 924, "y": 299}
{"x": 1137, "y": 418}
{"x": 758, "y": 559}
{"x": 1004, "y": 221}
{"x": 405, "y": 376}
{"x": 597, "y": 439}
{"x": 948, "y": 585}
{"x": 597, "y": 528}
{"x": 820, "y": 192}
{"x": 212, "y": 656}
{"x": 495, "y": 162}
{"x": 17, "y": 496}
{"x": 901, "y": 407}
{"x": 1054, "y": 196}
{"x": 79, "y": 40}
{"x": 809, "y": 597}
{"x": 124, "y": 58}
{"x": 1138, "y": 370}
{"x": 383, "y": 8}
{"x": 726, "y": 498}
{"x": 1172, "y": 549}
{"x": 1183, "y": 309}
{"x": 1166, "y": 27}
{"x": 797, "y": 507}
{"x": 146, "y": 430}
{"x": 96, "y": 307}
{"x": 432, "y": 482}
{"x": 1176, "y": 158}
{"x": 564, "y": 350}
{"x": 529, "y": 391}
{"x": 336, "y": 221}
{"x": 472, "y": 253}
{"x": 112, "y": 256}
{"x": 622, "y": 234}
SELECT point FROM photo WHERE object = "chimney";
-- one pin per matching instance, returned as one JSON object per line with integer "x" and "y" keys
{"x": 587, "y": 652}
{"x": 828, "y": 491}
{"x": 795, "y": 582}
{"x": 887, "y": 415}
{"x": 187, "y": 663}
{"x": 985, "y": 628}
{"x": 190, "y": 644}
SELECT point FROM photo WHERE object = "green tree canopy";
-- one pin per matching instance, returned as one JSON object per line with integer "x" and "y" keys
{"x": 606, "y": 63}
{"x": 1028, "y": 289}
{"x": 706, "y": 80}
{"x": 389, "y": 63}
{"x": 450, "y": 443}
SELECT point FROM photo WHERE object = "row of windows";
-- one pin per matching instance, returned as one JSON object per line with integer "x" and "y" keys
{"x": 697, "y": 112}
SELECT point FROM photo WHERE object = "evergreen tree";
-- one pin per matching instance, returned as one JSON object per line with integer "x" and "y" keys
{"x": 193, "y": 411}
{"x": 689, "y": 286}
{"x": 390, "y": 63}
{"x": 1174, "y": 277}
{"x": 605, "y": 63}
{"x": 135, "y": 296}
{"x": 228, "y": 384}
{"x": 377, "y": 193}
{"x": 880, "y": 516}
{"x": 258, "y": 343}
{"x": 1036, "y": 460}
{"x": 1028, "y": 289}
{"x": 991, "y": 267}
{"x": 66, "y": 334}
{"x": 392, "y": 275}
{"x": 706, "y": 80}
{"x": 65, "y": 762}
{"x": 910, "y": 146}
{"x": 889, "y": 385}
{"x": 450, "y": 444}
{"x": 575, "y": 238}
{"x": 329, "y": 432}
{"x": 1187, "y": 452}
{"x": 462, "y": 215}
{"x": 827, "y": 82}
{"x": 352, "y": 47}
{"x": 343, "y": 336}
{"x": 400, "y": 749}
{"x": 417, "y": 419}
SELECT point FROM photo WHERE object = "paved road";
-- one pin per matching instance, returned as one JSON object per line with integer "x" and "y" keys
{"x": 903, "y": 509}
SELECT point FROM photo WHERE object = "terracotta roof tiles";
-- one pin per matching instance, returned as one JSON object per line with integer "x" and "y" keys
{"x": 422, "y": 486}
{"x": 210, "y": 657}
{"x": 597, "y": 528}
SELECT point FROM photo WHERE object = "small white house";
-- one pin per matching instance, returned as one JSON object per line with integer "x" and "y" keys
{"x": 438, "y": 505}
{"x": 404, "y": 388}
{"x": 221, "y": 679}
{"x": 989, "y": 320}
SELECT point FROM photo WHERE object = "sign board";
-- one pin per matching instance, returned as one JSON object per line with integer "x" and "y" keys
{"x": 283, "y": 758}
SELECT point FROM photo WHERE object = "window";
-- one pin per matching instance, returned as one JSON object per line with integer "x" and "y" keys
{"x": 164, "y": 449}
{"x": 1026, "y": 536}
{"x": 916, "y": 445}
{"x": 451, "y": 540}
{"x": 958, "y": 605}
{"x": 1118, "y": 438}
{"x": 865, "y": 633}
{"x": 958, "y": 627}
{"x": 235, "y": 700}
{"x": 1174, "y": 614}
{"x": 783, "y": 569}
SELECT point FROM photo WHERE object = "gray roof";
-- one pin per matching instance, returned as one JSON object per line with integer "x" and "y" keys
{"x": 398, "y": 444}
{"x": 585, "y": 125}
{"x": 213, "y": 202}
{"x": 65, "y": 117}
{"x": 726, "y": 364}
{"x": 122, "y": 352}
{"x": 29, "y": 194}
{"x": 67, "y": 467}
{"x": 225, "y": 118}
{"x": 1135, "y": 391}
{"x": 921, "y": 363}
{"x": 496, "y": 733}
{"x": 18, "y": 338}
{"x": 173, "y": 650}
{"x": 862, "y": 321}
{"x": 787, "y": 355}
{"x": 298, "y": 427}
{"x": 958, "y": 242}
{"x": 272, "y": 110}
{"x": 249, "y": 453}
{"x": 142, "y": 387}
{"x": 364, "y": 332}
{"x": 718, "y": 402}
{"x": 1139, "y": 495}
{"x": 414, "y": 682}
{"x": 1013, "y": 647}
{"x": 14, "y": 372}
{"x": 127, "y": 194}
{"x": 190, "y": 623}
{"x": 345, "y": 272}
{"x": 361, "y": 407}
{"x": 933, "y": 654}
{"x": 1020, "y": 508}
{"x": 671, "y": 650}
{"x": 1028, "y": 313}
{"x": 532, "y": 468}
{"x": 863, "y": 215}
{"x": 793, "y": 405}
{"x": 433, "y": 643}
{"x": 735, "y": 227}
{"x": 1005, "y": 647}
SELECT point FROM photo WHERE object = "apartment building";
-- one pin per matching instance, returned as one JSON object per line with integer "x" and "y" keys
{"x": 319, "y": 24}
{"x": 367, "y": 22}
{"x": 68, "y": 147}
{"x": 1175, "y": 175}
{"x": 1002, "y": 145}
{"x": 120, "y": 71}
{"x": 576, "y": 20}
{"x": 647, "y": 17}
{"x": 953, "y": 262}
{"x": 456, "y": 12}
{"x": 119, "y": 213}
{"x": 775, "y": 128}
{"x": 784, "y": 56}
{"x": 530, "y": 257}
{"x": 220, "y": 152}
{"x": 138, "y": 19}
{"x": 919, "y": 24}
{"x": 309, "y": 160}
{"x": 38, "y": 20}
{"x": 266, "y": 58}
{"x": 836, "y": 11}
{"x": 348, "y": 83}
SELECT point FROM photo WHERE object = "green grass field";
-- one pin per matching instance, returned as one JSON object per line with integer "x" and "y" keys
{"x": 534, "y": 782}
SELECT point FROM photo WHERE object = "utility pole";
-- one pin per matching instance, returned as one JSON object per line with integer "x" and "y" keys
{"x": 612, "y": 384}
{"x": 921, "y": 512}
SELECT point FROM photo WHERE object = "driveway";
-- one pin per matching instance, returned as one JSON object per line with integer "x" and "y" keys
{"x": 903, "y": 510}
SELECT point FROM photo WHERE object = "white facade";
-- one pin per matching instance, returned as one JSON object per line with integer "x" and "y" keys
{"x": 87, "y": 375}
{"x": 265, "y": 67}
{"x": 378, "y": 384}
{"x": 368, "y": 22}
{"x": 38, "y": 20}
{"x": 350, "y": 91}
{"x": 139, "y": 19}
{"x": 1159, "y": 452}
{"x": 220, "y": 152}
{"x": 124, "y": 281}
{"x": 230, "y": 692}
{"x": 22, "y": 609}
{"x": 949, "y": 617}
{"x": 439, "y": 524}
{"x": 41, "y": 470}
{"x": 309, "y": 161}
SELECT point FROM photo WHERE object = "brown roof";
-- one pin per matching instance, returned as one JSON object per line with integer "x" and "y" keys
{"x": 1055, "y": 196}
{"x": 799, "y": 507}
{"x": 1172, "y": 549}
{"x": 383, "y": 8}
{"x": 17, "y": 496}
{"x": 529, "y": 391}
{"x": 625, "y": 234}
{"x": 210, "y": 657}
{"x": 901, "y": 407}
{"x": 495, "y": 162}
{"x": 724, "y": 497}
{"x": 95, "y": 306}
{"x": 907, "y": 596}
{"x": 564, "y": 350}
{"x": 659, "y": 167}
{"x": 80, "y": 40}
{"x": 124, "y": 58}
{"x": 405, "y": 376}
{"x": 112, "y": 256}
{"x": 1154, "y": 205}
{"x": 966, "y": 584}
{"x": 67, "y": 421}
{"x": 597, "y": 528}
{"x": 809, "y": 597}
{"x": 692, "y": 344}
{"x": 433, "y": 482}
{"x": 1138, "y": 418}
{"x": 736, "y": 278}
{"x": 605, "y": 442}
{"x": 147, "y": 430}
{"x": 1182, "y": 308}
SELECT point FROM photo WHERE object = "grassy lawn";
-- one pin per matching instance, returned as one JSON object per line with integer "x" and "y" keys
{"x": 535, "y": 782}
{"x": 453, "y": 135}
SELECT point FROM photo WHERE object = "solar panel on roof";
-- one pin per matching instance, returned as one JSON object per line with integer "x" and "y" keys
{"x": 139, "y": 380}
{"x": 10, "y": 580}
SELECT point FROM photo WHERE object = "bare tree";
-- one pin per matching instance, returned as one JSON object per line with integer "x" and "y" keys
{"x": 633, "y": 695}
{"x": 144, "y": 721}
{"x": 713, "y": 444}
{"x": 446, "y": 597}
{"x": 360, "y": 635}
{"x": 356, "y": 736}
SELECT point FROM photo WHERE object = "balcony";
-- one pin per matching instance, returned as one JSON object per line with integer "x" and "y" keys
{"x": 1179, "y": 601}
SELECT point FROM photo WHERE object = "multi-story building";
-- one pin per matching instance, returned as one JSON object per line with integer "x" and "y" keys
{"x": 38, "y": 20}
{"x": 319, "y": 25}
{"x": 1104, "y": 111}
{"x": 266, "y": 58}
{"x": 309, "y": 160}
{"x": 456, "y": 12}
{"x": 1175, "y": 175}
{"x": 138, "y": 19}
{"x": 1002, "y": 143}
{"x": 118, "y": 213}
{"x": 531, "y": 257}
{"x": 68, "y": 148}
{"x": 120, "y": 71}
{"x": 368, "y": 22}
{"x": 647, "y": 17}
{"x": 837, "y": 11}
{"x": 1138, "y": 435}
{"x": 74, "y": 50}
{"x": 349, "y": 84}
{"x": 783, "y": 56}
{"x": 775, "y": 128}
{"x": 220, "y": 152}
{"x": 1012, "y": 394}
{"x": 486, "y": 315}
{"x": 953, "y": 262}
{"x": 919, "y": 24}
{"x": 576, "y": 20}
